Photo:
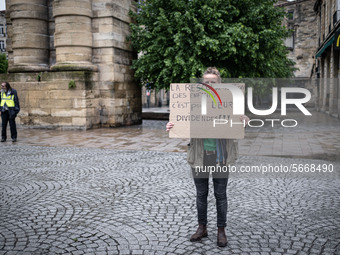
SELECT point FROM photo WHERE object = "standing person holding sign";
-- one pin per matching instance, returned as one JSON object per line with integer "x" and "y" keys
{"x": 207, "y": 153}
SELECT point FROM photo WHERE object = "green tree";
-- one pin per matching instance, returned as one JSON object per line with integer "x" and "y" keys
{"x": 180, "y": 38}
{"x": 3, "y": 63}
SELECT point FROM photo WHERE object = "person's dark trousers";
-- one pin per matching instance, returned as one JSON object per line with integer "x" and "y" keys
{"x": 220, "y": 181}
{"x": 5, "y": 119}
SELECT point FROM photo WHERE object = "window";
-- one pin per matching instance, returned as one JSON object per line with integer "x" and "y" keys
{"x": 323, "y": 15}
{"x": 2, "y": 46}
{"x": 320, "y": 26}
{"x": 289, "y": 42}
{"x": 336, "y": 15}
{"x": 290, "y": 15}
{"x": 2, "y": 32}
{"x": 330, "y": 18}
{"x": 140, "y": 2}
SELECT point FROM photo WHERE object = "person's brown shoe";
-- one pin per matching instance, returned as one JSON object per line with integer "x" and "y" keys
{"x": 221, "y": 237}
{"x": 200, "y": 233}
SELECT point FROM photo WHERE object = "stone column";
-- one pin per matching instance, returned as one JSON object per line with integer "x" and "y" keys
{"x": 322, "y": 84}
{"x": 120, "y": 95}
{"x": 325, "y": 84}
{"x": 331, "y": 81}
{"x": 30, "y": 39}
{"x": 73, "y": 35}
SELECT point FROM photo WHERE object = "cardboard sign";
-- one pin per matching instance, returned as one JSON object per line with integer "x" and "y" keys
{"x": 204, "y": 111}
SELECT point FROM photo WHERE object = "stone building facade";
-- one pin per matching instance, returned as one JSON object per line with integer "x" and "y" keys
{"x": 327, "y": 56}
{"x": 52, "y": 43}
{"x": 3, "y": 32}
{"x": 302, "y": 43}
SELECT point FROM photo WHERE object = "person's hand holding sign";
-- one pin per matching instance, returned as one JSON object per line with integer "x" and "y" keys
{"x": 169, "y": 126}
{"x": 244, "y": 118}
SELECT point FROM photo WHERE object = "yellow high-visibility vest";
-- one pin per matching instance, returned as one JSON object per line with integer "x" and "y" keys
{"x": 9, "y": 100}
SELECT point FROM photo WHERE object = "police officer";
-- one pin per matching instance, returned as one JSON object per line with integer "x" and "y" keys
{"x": 9, "y": 108}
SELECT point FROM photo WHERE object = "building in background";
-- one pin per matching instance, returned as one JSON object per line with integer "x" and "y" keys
{"x": 302, "y": 42}
{"x": 327, "y": 56}
{"x": 3, "y": 32}
{"x": 70, "y": 62}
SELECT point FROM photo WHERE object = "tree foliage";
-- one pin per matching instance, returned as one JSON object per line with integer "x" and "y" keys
{"x": 3, "y": 63}
{"x": 178, "y": 39}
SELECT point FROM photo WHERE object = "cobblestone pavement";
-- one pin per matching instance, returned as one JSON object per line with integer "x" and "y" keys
{"x": 69, "y": 200}
{"x": 129, "y": 191}
{"x": 316, "y": 137}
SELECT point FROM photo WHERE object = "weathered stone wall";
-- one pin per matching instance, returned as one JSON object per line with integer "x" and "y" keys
{"x": 304, "y": 26}
{"x": 80, "y": 40}
{"x": 50, "y": 103}
{"x": 120, "y": 99}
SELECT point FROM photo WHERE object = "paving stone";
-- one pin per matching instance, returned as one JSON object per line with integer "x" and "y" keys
{"x": 64, "y": 200}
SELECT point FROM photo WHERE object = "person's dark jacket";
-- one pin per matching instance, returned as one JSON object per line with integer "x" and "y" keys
{"x": 13, "y": 111}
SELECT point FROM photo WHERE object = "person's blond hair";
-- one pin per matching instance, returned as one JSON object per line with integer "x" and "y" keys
{"x": 213, "y": 70}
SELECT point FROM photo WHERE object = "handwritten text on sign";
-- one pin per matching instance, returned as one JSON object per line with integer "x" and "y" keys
{"x": 201, "y": 111}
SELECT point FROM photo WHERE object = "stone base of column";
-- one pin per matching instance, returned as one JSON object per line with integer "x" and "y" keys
{"x": 28, "y": 68}
{"x": 71, "y": 66}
